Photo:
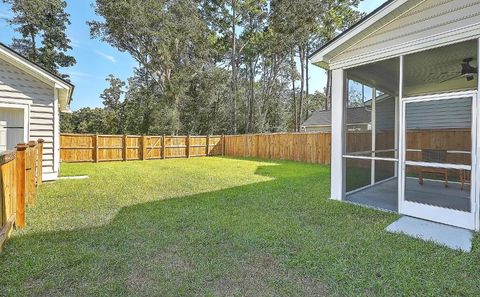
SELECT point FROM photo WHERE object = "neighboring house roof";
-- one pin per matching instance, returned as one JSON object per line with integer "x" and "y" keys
{"x": 64, "y": 87}
{"x": 357, "y": 115}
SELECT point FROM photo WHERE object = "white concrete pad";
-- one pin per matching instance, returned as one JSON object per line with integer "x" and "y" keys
{"x": 449, "y": 236}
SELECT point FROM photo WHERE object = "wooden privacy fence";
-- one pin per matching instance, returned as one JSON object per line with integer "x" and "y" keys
{"x": 303, "y": 147}
{"x": 457, "y": 142}
{"x": 20, "y": 174}
{"x": 103, "y": 148}
{"x": 312, "y": 147}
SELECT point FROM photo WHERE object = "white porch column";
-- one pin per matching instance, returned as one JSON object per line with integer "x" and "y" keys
{"x": 338, "y": 109}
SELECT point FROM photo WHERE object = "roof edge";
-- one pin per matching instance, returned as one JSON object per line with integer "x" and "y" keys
{"x": 53, "y": 76}
{"x": 354, "y": 26}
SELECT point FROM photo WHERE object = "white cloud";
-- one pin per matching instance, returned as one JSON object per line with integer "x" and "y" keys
{"x": 78, "y": 75}
{"x": 5, "y": 14}
{"x": 74, "y": 73}
{"x": 108, "y": 57}
{"x": 74, "y": 42}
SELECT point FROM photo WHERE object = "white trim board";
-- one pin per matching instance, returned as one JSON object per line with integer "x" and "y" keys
{"x": 322, "y": 55}
{"x": 458, "y": 218}
{"x": 56, "y": 133}
{"x": 418, "y": 45}
{"x": 332, "y": 56}
{"x": 50, "y": 176}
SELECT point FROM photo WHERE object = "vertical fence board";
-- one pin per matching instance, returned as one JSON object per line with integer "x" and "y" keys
{"x": 20, "y": 174}
{"x": 306, "y": 147}
{"x": 8, "y": 198}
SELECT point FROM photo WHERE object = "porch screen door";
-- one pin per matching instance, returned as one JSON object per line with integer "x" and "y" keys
{"x": 437, "y": 159}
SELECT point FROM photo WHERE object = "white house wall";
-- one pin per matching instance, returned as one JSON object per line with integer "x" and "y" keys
{"x": 18, "y": 87}
{"x": 440, "y": 114}
{"x": 428, "y": 19}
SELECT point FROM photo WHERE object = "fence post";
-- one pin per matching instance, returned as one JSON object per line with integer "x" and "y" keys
{"x": 163, "y": 147}
{"x": 95, "y": 148}
{"x": 124, "y": 146}
{"x": 144, "y": 147}
{"x": 32, "y": 161}
{"x": 207, "y": 145}
{"x": 40, "y": 162}
{"x": 188, "y": 145}
{"x": 20, "y": 175}
{"x": 223, "y": 145}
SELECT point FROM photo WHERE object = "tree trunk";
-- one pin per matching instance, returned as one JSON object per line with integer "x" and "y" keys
{"x": 307, "y": 72}
{"x": 307, "y": 84}
{"x": 295, "y": 117}
{"x": 234, "y": 65}
{"x": 251, "y": 97}
{"x": 295, "y": 114}
{"x": 301, "y": 51}
{"x": 34, "y": 47}
{"x": 146, "y": 111}
{"x": 328, "y": 94}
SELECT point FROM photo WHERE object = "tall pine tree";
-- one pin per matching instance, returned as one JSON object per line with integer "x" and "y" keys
{"x": 41, "y": 25}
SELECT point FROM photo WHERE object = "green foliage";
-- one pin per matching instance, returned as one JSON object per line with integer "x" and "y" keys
{"x": 86, "y": 120}
{"x": 223, "y": 66}
{"x": 42, "y": 25}
{"x": 114, "y": 108}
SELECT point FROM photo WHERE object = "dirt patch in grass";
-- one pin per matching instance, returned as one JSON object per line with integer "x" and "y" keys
{"x": 150, "y": 274}
{"x": 259, "y": 275}
{"x": 266, "y": 276}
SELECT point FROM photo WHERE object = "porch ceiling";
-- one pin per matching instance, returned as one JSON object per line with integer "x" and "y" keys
{"x": 436, "y": 69}
{"x": 435, "y": 66}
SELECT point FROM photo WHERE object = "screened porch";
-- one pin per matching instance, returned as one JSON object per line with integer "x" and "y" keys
{"x": 418, "y": 142}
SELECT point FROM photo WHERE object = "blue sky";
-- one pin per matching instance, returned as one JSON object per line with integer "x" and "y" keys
{"x": 96, "y": 60}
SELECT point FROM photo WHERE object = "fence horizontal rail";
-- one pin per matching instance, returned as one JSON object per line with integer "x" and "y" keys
{"x": 302, "y": 147}
{"x": 105, "y": 148}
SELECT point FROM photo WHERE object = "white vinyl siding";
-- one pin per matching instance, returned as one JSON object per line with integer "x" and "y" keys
{"x": 440, "y": 114}
{"x": 429, "y": 18}
{"x": 384, "y": 115}
{"x": 18, "y": 87}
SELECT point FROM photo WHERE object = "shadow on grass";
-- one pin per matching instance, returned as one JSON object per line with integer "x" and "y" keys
{"x": 279, "y": 237}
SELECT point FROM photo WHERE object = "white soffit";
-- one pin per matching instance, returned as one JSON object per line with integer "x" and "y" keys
{"x": 377, "y": 19}
{"x": 65, "y": 89}
{"x": 450, "y": 22}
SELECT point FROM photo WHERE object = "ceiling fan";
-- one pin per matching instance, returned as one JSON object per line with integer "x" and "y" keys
{"x": 468, "y": 71}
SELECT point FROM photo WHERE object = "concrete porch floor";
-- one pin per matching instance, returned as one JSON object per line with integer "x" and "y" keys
{"x": 449, "y": 236}
{"x": 384, "y": 195}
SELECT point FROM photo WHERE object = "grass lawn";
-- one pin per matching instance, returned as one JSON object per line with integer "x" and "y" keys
{"x": 216, "y": 227}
